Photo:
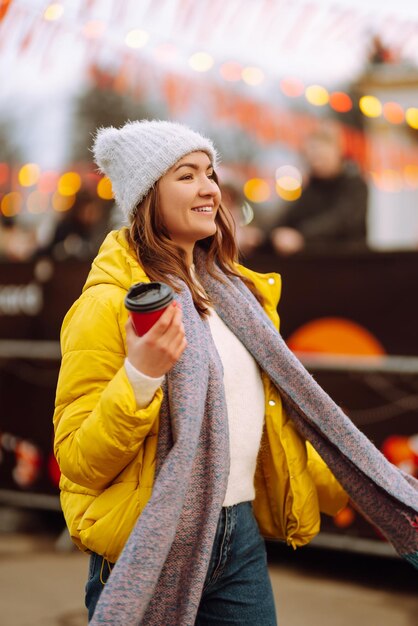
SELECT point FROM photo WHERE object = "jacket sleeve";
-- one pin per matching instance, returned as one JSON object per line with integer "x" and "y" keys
{"x": 98, "y": 427}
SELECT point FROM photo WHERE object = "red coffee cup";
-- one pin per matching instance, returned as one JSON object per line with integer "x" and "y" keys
{"x": 146, "y": 302}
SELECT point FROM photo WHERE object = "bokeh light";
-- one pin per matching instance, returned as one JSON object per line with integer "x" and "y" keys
{"x": 48, "y": 181}
{"x": 104, "y": 188}
{"x": 410, "y": 175}
{"x": 334, "y": 335}
{"x": 317, "y": 95}
{"x": 37, "y": 202}
{"x": 137, "y": 38}
{"x": 29, "y": 174}
{"x": 411, "y": 117}
{"x": 292, "y": 87}
{"x": 257, "y": 190}
{"x": 388, "y": 180}
{"x": 252, "y": 75}
{"x": 289, "y": 171}
{"x": 393, "y": 112}
{"x": 288, "y": 189}
{"x": 370, "y": 106}
{"x": 391, "y": 180}
{"x": 62, "y": 203}
{"x": 345, "y": 517}
{"x": 399, "y": 449}
{"x": 201, "y": 61}
{"x": 231, "y": 71}
{"x": 11, "y": 204}
{"x": 4, "y": 173}
{"x": 69, "y": 183}
{"x": 340, "y": 102}
{"x": 53, "y": 12}
{"x": 288, "y": 182}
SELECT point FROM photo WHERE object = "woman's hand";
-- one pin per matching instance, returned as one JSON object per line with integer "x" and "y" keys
{"x": 156, "y": 352}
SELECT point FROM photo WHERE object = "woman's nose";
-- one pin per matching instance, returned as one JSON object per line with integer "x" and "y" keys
{"x": 208, "y": 187}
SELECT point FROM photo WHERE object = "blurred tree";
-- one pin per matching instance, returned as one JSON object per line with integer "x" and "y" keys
{"x": 10, "y": 152}
{"x": 234, "y": 144}
{"x": 17, "y": 242}
{"x": 103, "y": 104}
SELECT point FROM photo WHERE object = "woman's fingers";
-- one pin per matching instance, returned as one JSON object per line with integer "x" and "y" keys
{"x": 168, "y": 327}
{"x": 163, "y": 324}
{"x": 175, "y": 329}
{"x": 156, "y": 352}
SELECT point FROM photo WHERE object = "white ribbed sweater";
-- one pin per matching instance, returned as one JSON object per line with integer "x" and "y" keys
{"x": 245, "y": 401}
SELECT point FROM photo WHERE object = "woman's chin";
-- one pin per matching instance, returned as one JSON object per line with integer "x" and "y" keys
{"x": 205, "y": 233}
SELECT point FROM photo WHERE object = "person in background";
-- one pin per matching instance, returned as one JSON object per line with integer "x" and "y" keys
{"x": 17, "y": 243}
{"x": 332, "y": 210}
{"x": 163, "y": 435}
{"x": 81, "y": 231}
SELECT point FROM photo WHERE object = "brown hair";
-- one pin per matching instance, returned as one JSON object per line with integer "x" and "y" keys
{"x": 163, "y": 260}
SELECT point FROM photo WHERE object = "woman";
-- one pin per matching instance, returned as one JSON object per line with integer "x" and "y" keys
{"x": 175, "y": 444}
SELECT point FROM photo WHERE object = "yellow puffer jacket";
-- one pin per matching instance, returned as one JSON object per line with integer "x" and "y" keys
{"x": 106, "y": 447}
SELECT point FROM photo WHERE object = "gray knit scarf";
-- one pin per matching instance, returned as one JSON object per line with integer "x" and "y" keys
{"x": 159, "y": 576}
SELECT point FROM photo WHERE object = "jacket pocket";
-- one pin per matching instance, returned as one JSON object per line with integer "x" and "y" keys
{"x": 108, "y": 521}
{"x": 302, "y": 510}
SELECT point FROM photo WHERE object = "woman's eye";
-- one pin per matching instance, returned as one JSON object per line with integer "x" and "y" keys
{"x": 187, "y": 177}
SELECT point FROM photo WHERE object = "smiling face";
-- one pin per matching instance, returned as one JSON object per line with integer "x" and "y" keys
{"x": 189, "y": 199}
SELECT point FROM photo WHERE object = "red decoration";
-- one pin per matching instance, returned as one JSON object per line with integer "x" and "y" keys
{"x": 4, "y": 7}
{"x": 54, "y": 470}
{"x": 340, "y": 102}
{"x": 398, "y": 449}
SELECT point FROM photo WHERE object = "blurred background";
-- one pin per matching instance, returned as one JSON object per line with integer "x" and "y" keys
{"x": 313, "y": 105}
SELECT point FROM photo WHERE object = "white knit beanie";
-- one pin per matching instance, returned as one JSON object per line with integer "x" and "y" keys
{"x": 135, "y": 156}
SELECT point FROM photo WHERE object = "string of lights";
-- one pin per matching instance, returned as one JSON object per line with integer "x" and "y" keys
{"x": 99, "y": 31}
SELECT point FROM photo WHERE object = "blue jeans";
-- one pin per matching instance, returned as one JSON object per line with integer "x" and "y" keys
{"x": 237, "y": 589}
